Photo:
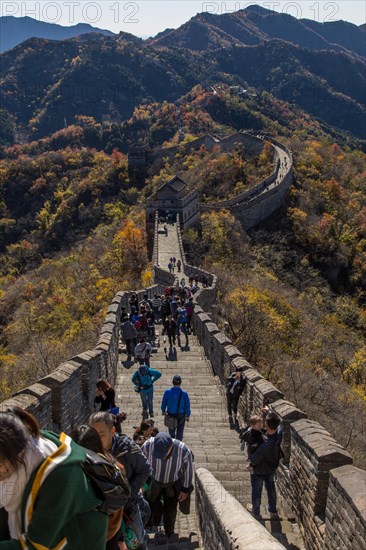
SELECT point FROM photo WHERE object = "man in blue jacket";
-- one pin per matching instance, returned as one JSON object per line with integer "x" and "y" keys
{"x": 144, "y": 379}
{"x": 176, "y": 403}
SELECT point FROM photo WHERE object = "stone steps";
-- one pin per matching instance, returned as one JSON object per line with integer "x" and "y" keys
{"x": 214, "y": 443}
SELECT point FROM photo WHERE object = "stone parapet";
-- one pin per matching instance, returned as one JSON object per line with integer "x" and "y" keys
{"x": 311, "y": 454}
{"x": 345, "y": 515}
{"x": 65, "y": 398}
{"x": 224, "y": 523}
{"x": 314, "y": 453}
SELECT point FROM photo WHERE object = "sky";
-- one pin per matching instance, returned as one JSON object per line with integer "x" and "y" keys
{"x": 148, "y": 17}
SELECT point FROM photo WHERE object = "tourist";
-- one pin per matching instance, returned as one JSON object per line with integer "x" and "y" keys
{"x": 165, "y": 308}
{"x": 265, "y": 460}
{"x": 88, "y": 437}
{"x": 157, "y": 307}
{"x": 144, "y": 431}
{"x": 135, "y": 464}
{"x": 171, "y": 462}
{"x": 105, "y": 396}
{"x": 190, "y": 309}
{"x": 182, "y": 320}
{"x": 129, "y": 334}
{"x": 45, "y": 498}
{"x": 143, "y": 379}
{"x": 235, "y": 385}
{"x": 252, "y": 437}
{"x": 170, "y": 328}
{"x": 176, "y": 404}
{"x": 143, "y": 352}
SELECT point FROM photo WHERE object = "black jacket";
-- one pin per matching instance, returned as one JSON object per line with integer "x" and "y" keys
{"x": 129, "y": 454}
{"x": 238, "y": 388}
{"x": 170, "y": 327}
{"x": 266, "y": 458}
{"x": 108, "y": 402}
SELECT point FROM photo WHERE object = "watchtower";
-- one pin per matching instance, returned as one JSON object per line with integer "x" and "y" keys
{"x": 173, "y": 198}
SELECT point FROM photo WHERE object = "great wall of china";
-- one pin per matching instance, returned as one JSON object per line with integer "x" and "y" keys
{"x": 322, "y": 492}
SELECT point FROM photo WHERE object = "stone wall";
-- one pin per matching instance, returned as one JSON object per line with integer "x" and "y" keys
{"x": 65, "y": 398}
{"x": 155, "y": 254}
{"x": 326, "y": 494}
{"x": 259, "y": 202}
{"x": 224, "y": 523}
{"x": 346, "y": 509}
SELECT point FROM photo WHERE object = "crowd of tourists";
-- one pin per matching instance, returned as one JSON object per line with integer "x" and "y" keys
{"x": 42, "y": 476}
{"x": 46, "y": 500}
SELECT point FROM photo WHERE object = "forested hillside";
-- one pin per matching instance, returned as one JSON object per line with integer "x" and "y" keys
{"x": 46, "y": 84}
{"x": 72, "y": 227}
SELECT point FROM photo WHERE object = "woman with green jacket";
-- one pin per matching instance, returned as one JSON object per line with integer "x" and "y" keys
{"x": 46, "y": 501}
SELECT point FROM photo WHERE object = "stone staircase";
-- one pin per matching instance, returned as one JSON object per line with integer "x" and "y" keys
{"x": 214, "y": 442}
{"x": 169, "y": 247}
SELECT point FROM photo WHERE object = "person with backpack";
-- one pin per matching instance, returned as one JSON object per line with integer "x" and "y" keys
{"x": 235, "y": 385}
{"x": 165, "y": 309}
{"x": 46, "y": 500}
{"x": 142, "y": 323}
{"x": 182, "y": 320}
{"x": 88, "y": 437}
{"x": 137, "y": 469}
{"x": 143, "y": 352}
{"x": 144, "y": 379}
{"x": 265, "y": 460}
{"x": 176, "y": 405}
{"x": 129, "y": 334}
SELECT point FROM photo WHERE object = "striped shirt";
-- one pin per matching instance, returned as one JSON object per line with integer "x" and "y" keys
{"x": 156, "y": 303}
{"x": 178, "y": 465}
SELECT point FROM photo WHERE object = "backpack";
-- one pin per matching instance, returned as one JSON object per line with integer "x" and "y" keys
{"x": 183, "y": 315}
{"x": 108, "y": 481}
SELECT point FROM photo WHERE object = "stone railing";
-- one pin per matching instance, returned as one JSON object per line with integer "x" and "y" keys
{"x": 316, "y": 478}
{"x": 155, "y": 256}
{"x": 259, "y": 202}
{"x": 224, "y": 523}
{"x": 180, "y": 243}
{"x": 326, "y": 493}
{"x": 65, "y": 398}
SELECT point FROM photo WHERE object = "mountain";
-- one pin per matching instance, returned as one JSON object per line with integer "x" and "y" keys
{"x": 14, "y": 30}
{"x": 47, "y": 83}
{"x": 254, "y": 25}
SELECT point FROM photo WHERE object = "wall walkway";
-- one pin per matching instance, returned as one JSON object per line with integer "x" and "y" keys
{"x": 320, "y": 489}
{"x": 326, "y": 495}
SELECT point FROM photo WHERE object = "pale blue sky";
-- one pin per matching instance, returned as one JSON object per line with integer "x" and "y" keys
{"x": 148, "y": 17}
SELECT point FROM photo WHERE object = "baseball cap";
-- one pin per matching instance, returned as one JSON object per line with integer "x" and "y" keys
{"x": 177, "y": 379}
{"x": 161, "y": 442}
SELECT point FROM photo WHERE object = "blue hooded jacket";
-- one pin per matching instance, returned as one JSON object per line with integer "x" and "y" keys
{"x": 145, "y": 376}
